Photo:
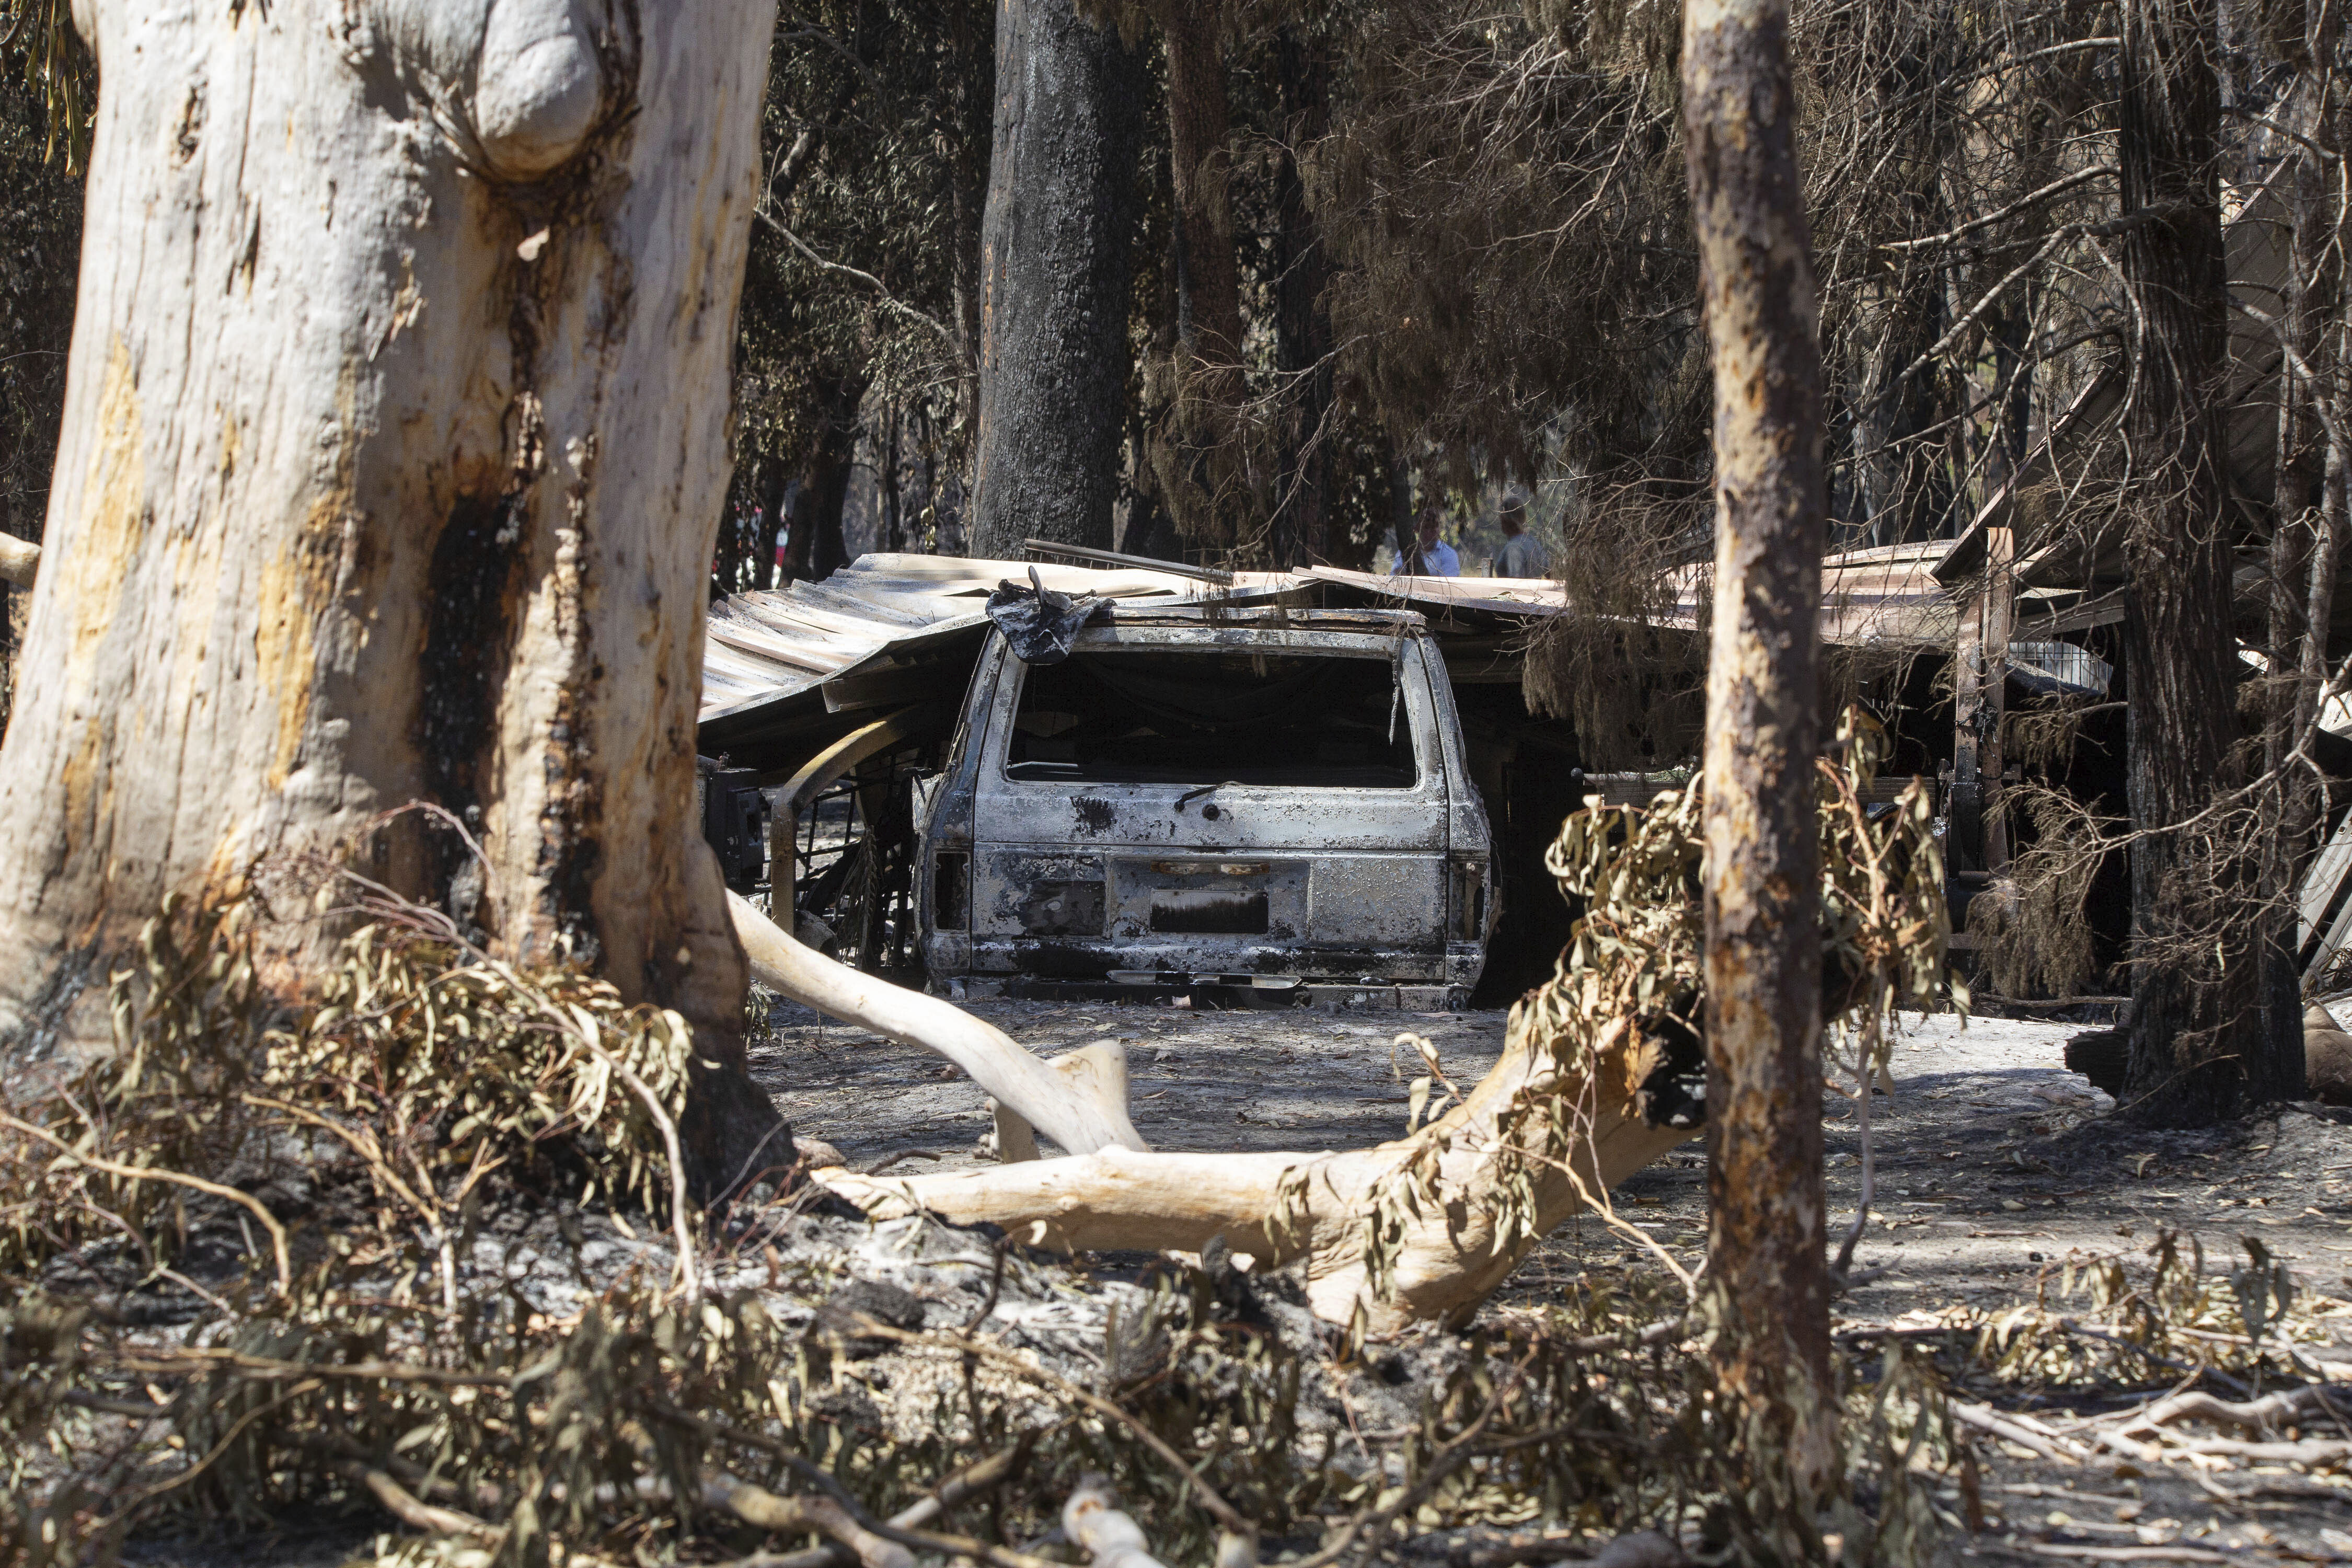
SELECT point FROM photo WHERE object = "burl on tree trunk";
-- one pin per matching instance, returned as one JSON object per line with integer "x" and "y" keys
{"x": 395, "y": 446}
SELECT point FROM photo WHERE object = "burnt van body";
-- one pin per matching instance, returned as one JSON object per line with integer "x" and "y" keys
{"x": 1269, "y": 800}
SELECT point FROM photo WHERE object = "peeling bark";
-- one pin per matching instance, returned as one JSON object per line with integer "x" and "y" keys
{"x": 1767, "y": 1288}
{"x": 395, "y": 443}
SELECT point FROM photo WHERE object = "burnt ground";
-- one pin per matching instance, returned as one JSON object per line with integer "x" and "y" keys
{"x": 1995, "y": 1166}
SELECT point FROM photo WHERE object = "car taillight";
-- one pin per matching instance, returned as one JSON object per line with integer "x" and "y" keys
{"x": 1466, "y": 901}
{"x": 951, "y": 891}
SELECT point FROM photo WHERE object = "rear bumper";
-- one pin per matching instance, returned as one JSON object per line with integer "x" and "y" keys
{"x": 1394, "y": 997}
{"x": 1096, "y": 959}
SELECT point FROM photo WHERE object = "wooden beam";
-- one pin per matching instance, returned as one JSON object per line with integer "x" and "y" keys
{"x": 1999, "y": 623}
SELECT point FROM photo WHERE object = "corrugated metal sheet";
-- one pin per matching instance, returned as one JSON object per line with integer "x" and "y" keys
{"x": 772, "y": 644}
{"x": 780, "y": 664}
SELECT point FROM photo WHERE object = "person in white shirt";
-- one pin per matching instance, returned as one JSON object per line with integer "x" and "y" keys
{"x": 1430, "y": 557}
{"x": 1520, "y": 556}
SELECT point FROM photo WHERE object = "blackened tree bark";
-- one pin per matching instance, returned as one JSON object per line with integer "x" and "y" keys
{"x": 769, "y": 491}
{"x": 2201, "y": 1048}
{"x": 2307, "y": 536}
{"x": 1055, "y": 248}
{"x": 1203, "y": 470}
{"x": 1767, "y": 1285}
{"x": 1209, "y": 310}
{"x": 816, "y": 550}
{"x": 1302, "y": 325}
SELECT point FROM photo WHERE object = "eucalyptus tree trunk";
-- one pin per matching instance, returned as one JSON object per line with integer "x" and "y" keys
{"x": 1302, "y": 322}
{"x": 1199, "y": 457}
{"x": 2301, "y": 598}
{"x": 2201, "y": 1045}
{"x": 815, "y": 547}
{"x": 395, "y": 440}
{"x": 1055, "y": 262}
{"x": 1767, "y": 1289}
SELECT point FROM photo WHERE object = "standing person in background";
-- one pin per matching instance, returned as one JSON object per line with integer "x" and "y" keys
{"x": 1430, "y": 557}
{"x": 1520, "y": 556}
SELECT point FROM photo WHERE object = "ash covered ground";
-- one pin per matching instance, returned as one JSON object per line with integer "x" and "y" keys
{"x": 1995, "y": 1166}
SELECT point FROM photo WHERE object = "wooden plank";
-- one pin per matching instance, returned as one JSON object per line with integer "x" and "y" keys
{"x": 1999, "y": 623}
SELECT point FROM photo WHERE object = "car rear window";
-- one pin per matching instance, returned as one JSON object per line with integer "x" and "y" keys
{"x": 1216, "y": 716}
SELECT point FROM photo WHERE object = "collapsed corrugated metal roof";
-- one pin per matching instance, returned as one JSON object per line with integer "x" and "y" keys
{"x": 789, "y": 669}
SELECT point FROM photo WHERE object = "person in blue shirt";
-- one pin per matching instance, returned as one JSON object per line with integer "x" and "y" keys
{"x": 1430, "y": 557}
{"x": 1520, "y": 556}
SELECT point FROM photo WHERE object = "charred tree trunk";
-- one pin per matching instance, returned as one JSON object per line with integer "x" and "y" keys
{"x": 2300, "y": 603}
{"x": 1209, "y": 290}
{"x": 1766, "y": 1286}
{"x": 1302, "y": 345}
{"x": 769, "y": 492}
{"x": 887, "y": 487}
{"x": 814, "y": 547}
{"x": 1200, "y": 462}
{"x": 2202, "y": 1050}
{"x": 395, "y": 443}
{"x": 1055, "y": 254}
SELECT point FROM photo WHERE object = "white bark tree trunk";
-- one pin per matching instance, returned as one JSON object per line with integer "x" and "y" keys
{"x": 395, "y": 438}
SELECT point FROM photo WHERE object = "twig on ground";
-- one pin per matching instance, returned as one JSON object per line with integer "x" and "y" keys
{"x": 147, "y": 1174}
{"x": 2013, "y": 1430}
{"x": 409, "y": 1510}
{"x": 795, "y": 1515}
{"x": 1224, "y": 1513}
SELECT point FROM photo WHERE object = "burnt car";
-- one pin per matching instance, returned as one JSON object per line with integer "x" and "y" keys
{"x": 1257, "y": 805}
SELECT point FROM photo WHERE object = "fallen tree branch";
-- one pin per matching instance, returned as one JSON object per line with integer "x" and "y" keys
{"x": 19, "y": 559}
{"x": 150, "y": 1173}
{"x": 2262, "y": 1415}
{"x": 152, "y": 1358}
{"x": 825, "y": 1482}
{"x": 412, "y": 1511}
{"x": 1277, "y": 1208}
{"x": 1657, "y": 1333}
{"x": 2048, "y": 1445}
{"x": 1070, "y": 1110}
{"x": 757, "y": 1505}
{"x": 2310, "y": 1451}
{"x": 965, "y": 1483}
